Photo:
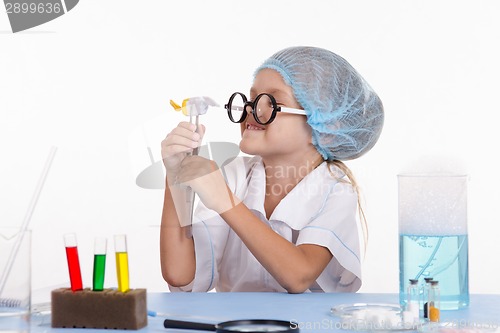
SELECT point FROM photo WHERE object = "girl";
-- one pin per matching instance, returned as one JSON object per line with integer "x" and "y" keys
{"x": 285, "y": 219}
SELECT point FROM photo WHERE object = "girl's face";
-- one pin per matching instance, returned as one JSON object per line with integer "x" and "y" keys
{"x": 287, "y": 134}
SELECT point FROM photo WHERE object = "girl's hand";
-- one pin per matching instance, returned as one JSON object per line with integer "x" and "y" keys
{"x": 206, "y": 179}
{"x": 178, "y": 143}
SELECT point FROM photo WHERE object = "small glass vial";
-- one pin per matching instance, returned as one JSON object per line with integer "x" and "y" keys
{"x": 425, "y": 296}
{"x": 434, "y": 301}
{"x": 413, "y": 304}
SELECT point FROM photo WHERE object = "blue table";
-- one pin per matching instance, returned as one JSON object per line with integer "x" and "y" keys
{"x": 310, "y": 311}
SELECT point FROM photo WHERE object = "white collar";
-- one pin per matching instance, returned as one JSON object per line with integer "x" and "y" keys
{"x": 301, "y": 204}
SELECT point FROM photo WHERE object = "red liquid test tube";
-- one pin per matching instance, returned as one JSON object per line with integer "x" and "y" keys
{"x": 75, "y": 275}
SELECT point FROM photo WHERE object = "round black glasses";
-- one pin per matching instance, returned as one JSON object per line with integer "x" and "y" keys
{"x": 263, "y": 108}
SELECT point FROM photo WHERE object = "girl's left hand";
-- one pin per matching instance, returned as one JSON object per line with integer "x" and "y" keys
{"x": 205, "y": 178}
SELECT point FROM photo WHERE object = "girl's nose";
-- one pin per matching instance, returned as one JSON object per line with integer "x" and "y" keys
{"x": 248, "y": 108}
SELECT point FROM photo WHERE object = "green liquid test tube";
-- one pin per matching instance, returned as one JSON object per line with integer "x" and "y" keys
{"x": 100, "y": 245}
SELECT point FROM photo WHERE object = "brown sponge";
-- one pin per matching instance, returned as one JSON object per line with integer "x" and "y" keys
{"x": 108, "y": 309}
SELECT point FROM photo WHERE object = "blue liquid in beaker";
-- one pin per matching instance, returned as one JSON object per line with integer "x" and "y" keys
{"x": 444, "y": 258}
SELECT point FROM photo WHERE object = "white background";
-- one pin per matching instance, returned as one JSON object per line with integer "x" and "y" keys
{"x": 92, "y": 81}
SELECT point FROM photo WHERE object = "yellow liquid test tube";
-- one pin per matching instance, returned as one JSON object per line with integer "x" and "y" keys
{"x": 121, "y": 262}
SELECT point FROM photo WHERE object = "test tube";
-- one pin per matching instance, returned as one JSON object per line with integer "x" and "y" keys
{"x": 121, "y": 262}
{"x": 75, "y": 274}
{"x": 100, "y": 245}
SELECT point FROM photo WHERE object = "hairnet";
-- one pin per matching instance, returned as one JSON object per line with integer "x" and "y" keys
{"x": 345, "y": 114}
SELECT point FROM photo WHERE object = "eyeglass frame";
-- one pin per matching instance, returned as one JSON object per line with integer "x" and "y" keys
{"x": 251, "y": 104}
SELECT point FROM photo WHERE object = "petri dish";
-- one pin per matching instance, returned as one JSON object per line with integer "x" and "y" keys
{"x": 382, "y": 317}
{"x": 350, "y": 309}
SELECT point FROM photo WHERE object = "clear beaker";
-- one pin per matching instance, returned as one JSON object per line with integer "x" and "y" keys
{"x": 433, "y": 238}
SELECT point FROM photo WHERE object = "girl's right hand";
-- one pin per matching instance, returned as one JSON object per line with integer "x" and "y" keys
{"x": 178, "y": 143}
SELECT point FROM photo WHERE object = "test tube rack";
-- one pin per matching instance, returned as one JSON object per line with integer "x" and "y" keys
{"x": 107, "y": 309}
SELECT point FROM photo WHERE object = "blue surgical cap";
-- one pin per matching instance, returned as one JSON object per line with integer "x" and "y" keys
{"x": 345, "y": 114}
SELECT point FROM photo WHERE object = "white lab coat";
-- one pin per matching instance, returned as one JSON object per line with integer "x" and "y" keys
{"x": 319, "y": 210}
